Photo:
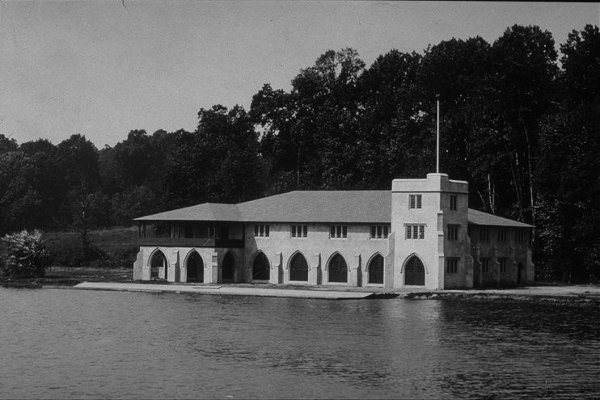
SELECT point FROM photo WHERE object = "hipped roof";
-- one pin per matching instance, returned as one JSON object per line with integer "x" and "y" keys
{"x": 355, "y": 206}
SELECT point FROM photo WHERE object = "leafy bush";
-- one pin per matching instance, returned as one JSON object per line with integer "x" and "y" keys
{"x": 25, "y": 256}
{"x": 66, "y": 250}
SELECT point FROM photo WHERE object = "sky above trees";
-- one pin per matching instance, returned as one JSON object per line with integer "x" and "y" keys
{"x": 104, "y": 68}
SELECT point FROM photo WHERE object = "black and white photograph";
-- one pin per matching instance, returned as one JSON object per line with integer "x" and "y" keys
{"x": 320, "y": 199}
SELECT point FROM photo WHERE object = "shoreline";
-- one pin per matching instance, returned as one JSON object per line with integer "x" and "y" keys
{"x": 102, "y": 279}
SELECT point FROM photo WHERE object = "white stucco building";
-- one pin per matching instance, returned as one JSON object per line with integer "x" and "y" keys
{"x": 421, "y": 233}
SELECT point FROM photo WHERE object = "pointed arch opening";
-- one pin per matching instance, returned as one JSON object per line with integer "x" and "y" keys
{"x": 298, "y": 268}
{"x": 261, "y": 267}
{"x": 337, "y": 269}
{"x": 375, "y": 269}
{"x": 227, "y": 268}
{"x": 520, "y": 274}
{"x": 414, "y": 272}
{"x": 158, "y": 265}
{"x": 195, "y": 267}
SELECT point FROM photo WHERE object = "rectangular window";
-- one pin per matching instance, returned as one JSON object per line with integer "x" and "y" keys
{"x": 380, "y": 231}
{"x": 453, "y": 232}
{"x": 338, "y": 231}
{"x": 212, "y": 231}
{"x": 415, "y": 200}
{"x": 484, "y": 235}
{"x": 415, "y": 231}
{"x": 453, "y": 202}
{"x": 502, "y": 262}
{"x": 485, "y": 265}
{"x": 261, "y": 230}
{"x": 501, "y": 235}
{"x": 452, "y": 265}
{"x": 299, "y": 231}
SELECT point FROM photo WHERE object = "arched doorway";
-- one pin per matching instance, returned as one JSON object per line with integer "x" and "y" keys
{"x": 261, "y": 268}
{"x": 227, "y": 268}
{"x": 414, "y": 272}
{"x": 338, "y": 270}
{"x": 298, "y": 268}
{"x": 195, "y": 268}
{"x": 376, "y": 269}
{"x": 158, "y": 266}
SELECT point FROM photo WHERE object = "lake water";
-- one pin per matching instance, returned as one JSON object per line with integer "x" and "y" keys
{"x": 58, "y": 343}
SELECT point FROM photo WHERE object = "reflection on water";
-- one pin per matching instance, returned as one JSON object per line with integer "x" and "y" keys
{"x": 74, "y": 344}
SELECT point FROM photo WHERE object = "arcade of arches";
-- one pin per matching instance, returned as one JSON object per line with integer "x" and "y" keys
{"x": 195, "y": 268}
{"x": 158, "y": 265}
{"x": 298, "y": 268}
{"x": 338, "y": 269}
{"x": 260, "y": 268}
{"x": 414, "y": 272}
{"x": 228, "y": 268}
{"x": 375, "y": 269}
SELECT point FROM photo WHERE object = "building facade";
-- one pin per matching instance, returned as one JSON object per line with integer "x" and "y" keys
{"x": 421, "y": 233}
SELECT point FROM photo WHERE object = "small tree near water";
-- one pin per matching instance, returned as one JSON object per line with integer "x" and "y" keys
{"x": 24, "y": 256}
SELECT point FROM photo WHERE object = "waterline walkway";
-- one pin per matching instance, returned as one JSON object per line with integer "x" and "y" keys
{"x": 229, "y": 290}
{"x": 346, "y": 293}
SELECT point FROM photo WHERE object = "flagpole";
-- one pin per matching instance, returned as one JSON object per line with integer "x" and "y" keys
{"x": 437, "y": 150}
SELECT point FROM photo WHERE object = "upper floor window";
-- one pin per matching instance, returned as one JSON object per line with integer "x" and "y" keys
{"x": 380, "y": 231}
{"x": 299, "y": 231}
{"x": 484, "y": 235}
{"x": 501, "y": 235}
{"x": 485, "y": 265}
{"x": 224, "y": 233}
{"x": 415, "y": 231}
{"x": 212, "y": 231}
{"x": 452, "y": 265}
{"x": 338, "y": 231}
{"x": 453, "y": 232}
{"x": 261, "y": 230}
{"x": 453, "y": 202}
{"x": 414, "y": 200}
{"x": 502, "y": 262}
{"x": 520, "y": 235}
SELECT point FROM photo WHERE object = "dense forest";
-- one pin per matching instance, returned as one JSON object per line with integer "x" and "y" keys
{"x": 519, "y": 120}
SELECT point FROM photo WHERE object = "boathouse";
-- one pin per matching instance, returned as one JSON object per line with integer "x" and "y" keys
{"x": 419, "y": 233}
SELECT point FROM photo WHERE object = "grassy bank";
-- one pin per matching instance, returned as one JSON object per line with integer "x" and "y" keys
{"x": 81, "y": 274}
{"x": 110, "y": 248}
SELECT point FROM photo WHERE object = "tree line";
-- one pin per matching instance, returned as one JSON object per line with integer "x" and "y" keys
{"x": 519, "y": 120}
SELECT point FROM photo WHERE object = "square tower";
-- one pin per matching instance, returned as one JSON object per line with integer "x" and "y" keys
{"x": 430, "y": 242}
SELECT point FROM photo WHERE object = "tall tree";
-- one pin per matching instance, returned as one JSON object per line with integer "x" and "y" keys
{"x": 217, "y": 163}
{"x": 311, "y": 133}
{"x": 79, "y": 159}
{"x": 568, "y": 179}
{"x": 525, "y": 71}
{"x": 7, "y": 144}
{"x": 394, "y": 141}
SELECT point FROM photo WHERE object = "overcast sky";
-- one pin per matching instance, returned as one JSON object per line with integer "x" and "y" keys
{"x": 101, "y": 68}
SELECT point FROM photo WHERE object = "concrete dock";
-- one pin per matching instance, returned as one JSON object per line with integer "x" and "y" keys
{"x": 347, "y": 293}
{"x": 229, "y": 290}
